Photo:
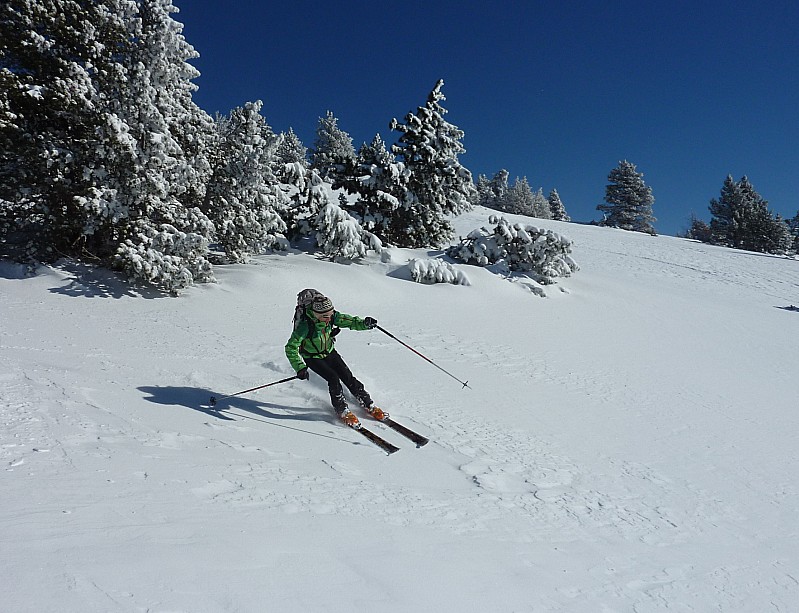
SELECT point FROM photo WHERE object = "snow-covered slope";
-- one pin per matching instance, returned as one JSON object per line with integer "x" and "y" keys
{"x": 628, "y": 442}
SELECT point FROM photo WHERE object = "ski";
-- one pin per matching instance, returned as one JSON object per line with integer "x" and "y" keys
{"x": 403, "y": 430}
{"x": 383, "y": 444}
{"x": 417, "y": 438}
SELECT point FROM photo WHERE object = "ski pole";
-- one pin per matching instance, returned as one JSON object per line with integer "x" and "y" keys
{"x": 214, "y": 399}
{"x": 384, "y": 331}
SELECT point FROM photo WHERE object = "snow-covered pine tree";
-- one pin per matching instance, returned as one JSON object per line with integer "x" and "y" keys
{"x": 190, "y": 126}
{"x": 379, "y": 181}
{"x": 499, "y": 188}
{"x": 493, "y": 193}
{"x": 333, "y": 155}
{"x": 698, "y": 230}
{"x": 741, "y": 220}
{"x": 165, "y": 242}
{"x": 767, "y": 232}
{"x": 302, "y": 214}
{"x": 482, "y": 192}
{"x": 519, "y": 198}
{"x": 541, "y": 205}
{"x": 778, "y": 238}
{"x": 59, "y": 141}
{"x": 728, "y": 214}
{"x": 793, "y": 226}
{"x": 106, "y": 85}
{"x": 339, "y": 235}
{"x": 290, "y": 161}
{"x": 628, "y": 200}
{"x": 438, "y": 185}
{"x": 556, "y": 208}
{"x": 243, "y": 198}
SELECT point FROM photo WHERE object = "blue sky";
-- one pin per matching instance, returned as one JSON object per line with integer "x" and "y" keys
{"x": 558, "y": 92}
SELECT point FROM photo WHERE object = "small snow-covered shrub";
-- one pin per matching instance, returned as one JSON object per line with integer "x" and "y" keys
{"x": 529, "y": 249}
{"x": 436, "y": 271}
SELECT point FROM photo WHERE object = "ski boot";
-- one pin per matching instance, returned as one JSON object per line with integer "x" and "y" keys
{"x": 376, "y": 412}
{"x": 349, "y": 418}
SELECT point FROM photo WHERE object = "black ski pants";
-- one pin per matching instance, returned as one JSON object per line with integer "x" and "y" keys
{"x": 333, "y": 370}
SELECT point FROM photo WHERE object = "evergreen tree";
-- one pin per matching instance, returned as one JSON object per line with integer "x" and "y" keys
{"x": 95, "y": 101}
{"x": 190, "y": 126}
{"x": 165, "y": 242}
{"x": 333, "y": 155}
{"x": 741, "y": 220}
{"x": 728, "y": 215}
{"x": 243, "y": 199}
{"x": 59, "y": 141}
{"x": 290, "y": 160}
{"x": 497, "y": 198}
{"x": 768, "y": 232}
{"x": 556, "y": 208}
{"x": 339, "y": 235}
{"x": 778, "y": 237}
{"x": 699, "y": 230}
{"x": 290, "y": 149}
{"x": 494, "y": 193}
{"x": 628, "y": 200}
{"x": 301, "y": 217}
{"x": 541, "y": 205}
{"x": 793, "y": 224}
{"x": 518, "y": 199}
{"x": 793, "y": 227}
{"x": 482, "y": 193}
{"x": 438, "y": 185}
{"x": 379, "y": 180}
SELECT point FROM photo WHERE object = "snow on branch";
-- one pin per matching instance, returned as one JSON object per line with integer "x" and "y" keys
{"x": 542, "y": 253}
{"x": 436, "y": 271}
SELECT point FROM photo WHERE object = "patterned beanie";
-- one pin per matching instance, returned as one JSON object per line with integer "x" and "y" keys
{"x": 322, "y": 304}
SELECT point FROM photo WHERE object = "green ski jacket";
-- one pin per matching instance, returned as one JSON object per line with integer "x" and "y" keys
{"x": 314, "y": 338}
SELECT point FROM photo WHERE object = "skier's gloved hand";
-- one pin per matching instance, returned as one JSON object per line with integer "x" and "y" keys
{"x": 303, "y": 373}
{"x": 370, "y": 322}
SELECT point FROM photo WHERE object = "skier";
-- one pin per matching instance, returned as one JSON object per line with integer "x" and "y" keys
{"x": 311, "y": 346}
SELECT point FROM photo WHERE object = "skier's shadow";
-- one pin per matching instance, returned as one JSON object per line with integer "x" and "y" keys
{"x": 198, "y": 400}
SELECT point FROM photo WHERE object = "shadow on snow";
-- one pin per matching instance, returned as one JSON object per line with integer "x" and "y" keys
{"x": 228, "y": 409}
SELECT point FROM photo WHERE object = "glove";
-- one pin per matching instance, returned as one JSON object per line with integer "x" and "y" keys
{"x": 370, "y": 322}
{"x": 303, "y": 374}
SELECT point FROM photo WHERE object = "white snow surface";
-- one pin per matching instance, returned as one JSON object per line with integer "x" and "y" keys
{"x": 628, "y": 443}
